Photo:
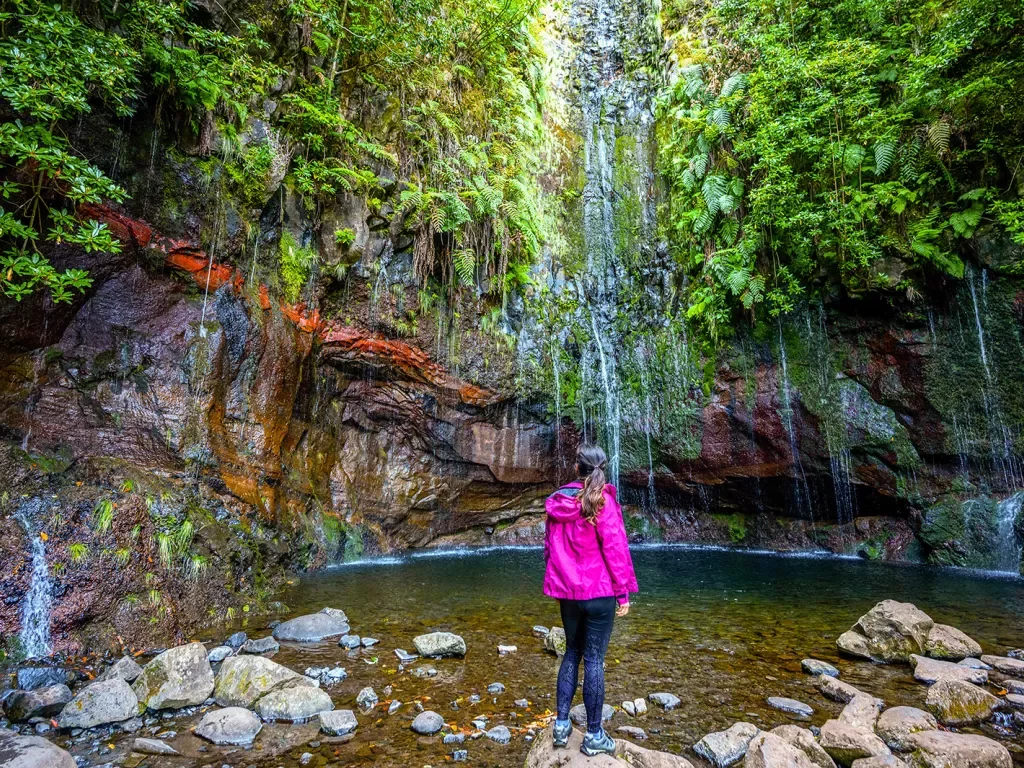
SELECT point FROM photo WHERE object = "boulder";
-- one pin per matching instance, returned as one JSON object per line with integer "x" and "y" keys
{"x": 723, "y": 748}
{"x": 578, "y": 714}
{"x": 942, "y": 749}
{"x": 554, "y": 641}
{"x": 664, "y": 700}
{"x": 337, "y": 613}
{"x": 218, "y": 654}
{"x": 263, "y": 645}
{"x": 124, "y": 668}
{"x": 234, "y": 726}
{"x": 950, "y": 644}
{"x": 427, "y": 723}
{"x": 350, "y": 641}
{"x": 31, "y": 678}
{"x": 975, "y": 664}
{"x": 17, "y": 751}
{"x": 816, "y": 667}
{"x": 42, "y": 702}
{"x": 862, "y": 712}
{"x": 930, "y": 671}
{"x": 544, "y": 754}
{"x": 1005, "y": 664}
{"x": 294, "y": 703}
{"x": 955, "y": 703}
{"x": 1013, "y": 686}
{"x": 898, "y": 724}
{"x": 790, "y": 705}
{"x": 236, "y": 640}
{"x": 767, "y": 750}
{"x": 844, "y": 743}
{"x": 178, "y": 677}
{"x": 106, "y": 701}
{"x": 891, "y": 631}
{"x": 438, "y": 644}
{"x": 153, "y": 747}
{"x": 880, "y": 761}
{"x": 311, "y": 628}
{"x": 804, "y": 740}
{"x": 242, "y": 680}
{"x": 837, "y": 690}
{"x": 338, "y": 722}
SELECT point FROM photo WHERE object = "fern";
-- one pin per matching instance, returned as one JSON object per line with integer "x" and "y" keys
{"x": 853, "y": 155}
{"x": 938, "y": 136}
{"x": 464, "y": 262}
{"x": 885, "y": 156}
{"x": 720, "y": 117}
{"x": 737, "y": 82}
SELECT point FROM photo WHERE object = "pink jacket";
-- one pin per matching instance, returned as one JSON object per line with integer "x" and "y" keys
{"x": 585, "y": 560}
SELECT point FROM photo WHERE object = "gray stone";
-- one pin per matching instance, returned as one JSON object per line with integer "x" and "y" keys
{"x": 311, "y": 628}
{"x": 338, "y": 722}
{"x": 236, "y": 640}
{"x": 293, "y": 704}
{"x": 790, "y": 705}
{"x": 244, "y": 679}
{"x": 124, "y": 668}
{"x": 17, "y": 751}
{"x": 975, "y": 664}
{"x": 629, "y": 708}
{"x": 32, "y": 678}
{"x": 1005, "y": 664}
{"x": 521, "y": 703}
{"x": 891, "y": 631}
{"x": 836, "y": 690}
{"x": 544, "y": 754}
{"x": 956, "y": 703}
{"x": 500, "y": 734}
{"x": 816, "y": 667}
{"x": 766, "y": 750}
{"x": 369, "y": 642}
{"x": 263, "y": 645}
{"x": 460, "y": 756}
{"x": 505, "y": 650}
{"x": 931, "y": 671}
{"x": 1013, "y": 686}
{"x": 394, "y": 706}
{"x": 804, "y": 740}
{"x": 879, "y": 761}
{"x": 862, "y": 712}
{"x": 178, "y": 677}
{"x": 424, "y": 672}
{"x": 633, "y": 732}
{"x": 336, "y": 613}
{"x": 723, "y": 748}
{"x": 641, "y": 706}
{"x": 665, "y": 700}
{"x": 949, "y": 643}
{"x": 427, "y": 723}
{"x": 898, "y": 724}
{"x": 942, "y": 749}
{"x": 494, "y": 688}
{"x": 107, "y": 701}
{"x": 1015, "y": 700}
{"x": 454, "y": 738}
{"x": 844, "y": 743}
{"x": 554, "y": 641}
{"x": 153, "y": 747}
{"x": 235, "y": 726}
{"x": 218, "y": 654}
{"x": 578, "y": 714}
{"x": 439, "y": 644}
{"x": 42, "y": 702}
{"x": 540, "y": 631}
{"x": 350, "y": 641}
{"x": 327, "y": 675}
{"x": 367, "y": 698}
{"x": 404, "y": 656}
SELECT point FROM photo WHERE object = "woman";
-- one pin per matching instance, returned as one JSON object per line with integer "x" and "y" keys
{"x": 589, "y": 570}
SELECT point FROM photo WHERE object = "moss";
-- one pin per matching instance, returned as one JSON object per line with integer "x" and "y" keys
{"x": 295, "y": 264}
{"x": 961, "y": 532}
{"x": 736, "y": 524}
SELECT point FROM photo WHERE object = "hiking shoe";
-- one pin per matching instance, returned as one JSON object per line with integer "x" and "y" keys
{"x": 598, "y": 744}
{"x": 561, "y": 732}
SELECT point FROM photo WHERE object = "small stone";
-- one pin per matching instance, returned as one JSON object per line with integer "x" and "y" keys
{"x": 790, "y": 705}
{"x": 312, "y": 628}
{"x": 723, "y": 748}
{"x": 404, "y": 656}
{"x": 350, "y": 641}
{"x": 235, "y": 726}
{"x": 494, "y": 688}
{"x": 427, "y": 723}
{"x": 422, "y": 672}
{"x": 439, "y": 644}
{"x": 218, "y": 654}
{"x": 394, "y": 706}
{"x": 975, "y": 664}
{"x": 578, "y": 714}
{"x": 236, "y": 640}
{"x": 263, "y": 645}
{"x": 305, "y": 758}
{"x": 1013, "y": 686}
{"x": 629, "y": 708}
{"x": 930, "y": 671}
{"x": 367, "y": 698}
{"x": 296, "y": 704}
{"x": 554, "y": 641}
{"x": 505, "y": 650}
{"x": 1006, "y": 665}
{"x": 474, "y": 699}
{"x": 521, "y": 703}
{"x": 460, "y": 756}
{"x": 835, "y": 689}
{"x": 454, "y": 738}
{"x": 665, "y": 700}
{"x": 124, "y": 668}
{"x": 500, "y": 734}
{"x": 369, "y": 642}
{"x": 540, "y": 631}
{"x": 633, "y": 732}
{"x": 338, "y": 722}
{"x": 153, "y": 747}
{"x": 641, "y": 706}
{"x": 816, "y": 667}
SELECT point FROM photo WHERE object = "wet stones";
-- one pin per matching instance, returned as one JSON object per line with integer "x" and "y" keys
{"x": 236, "y": 640}
{"x": 930, "y": 671}
{"x": 33, "y": 678}
{"x": 554, "y": 641}
{"x": 367, "y": 698}
{"x": 234, "y": 726}
{"x": 263, "y": 645}
{"x": 950, "y": 644}
{"x": 178, "y": 677}
{"x": 844, "y": 743}
{"x": 439, "y": 644}
{"x": 578, "y": 714}
{"x": 898, "y": 724}
{"x": 19, "y": 751}
{"x": 244, "y": 679}
{"x": 427, "y": 723}
{"x": 942, "y": 749}
{"x": 816, "y": 667}
{"x": 790, "y": 705}
{"x": 495, "y": 688}
{"x": 404, "y": 656}
{"x": 107, "y": 701}
{"x": 218, "y": 654}
{"x": 666, "y": 701}
{"x": 327, "y": 675}
{"x": 153, "y": 747}
{"x": 294, "y": 704}
{"x": 42, "y": 702}
{"x": 338, "y": 722}
{"x": 499, "y": 734}
{"x": 835, "y": 689}
{"x": 956, "y": 703}
{"x": 889, "y": 632}
{"x": 350, "y": 642}
{"x": 1005, "y": 664}
{"x": 723, "y": 748}
{"x": 505, "y": 650}
{"x": 313, "y": 627}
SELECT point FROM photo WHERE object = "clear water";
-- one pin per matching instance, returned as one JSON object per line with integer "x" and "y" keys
{"x": 36, "y": 609}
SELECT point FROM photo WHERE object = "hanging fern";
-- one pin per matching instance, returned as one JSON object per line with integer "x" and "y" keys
{"x": 464, "y": 262}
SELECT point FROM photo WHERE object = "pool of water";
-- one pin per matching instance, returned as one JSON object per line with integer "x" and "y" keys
{"x": 721, "y": 629}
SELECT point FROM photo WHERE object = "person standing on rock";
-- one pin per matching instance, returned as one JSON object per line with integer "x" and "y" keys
{"x": 590, "y": 572}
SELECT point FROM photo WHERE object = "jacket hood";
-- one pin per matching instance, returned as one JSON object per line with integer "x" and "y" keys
{"x": 565, "y": 507}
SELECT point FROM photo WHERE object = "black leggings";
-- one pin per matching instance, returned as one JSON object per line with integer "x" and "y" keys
{"x": 588, "y": 625}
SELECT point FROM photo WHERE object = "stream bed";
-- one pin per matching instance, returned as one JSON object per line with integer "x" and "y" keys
{"x": 721, "y": 629}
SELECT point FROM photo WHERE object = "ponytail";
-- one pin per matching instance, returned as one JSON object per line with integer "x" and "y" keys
{"x": 590, "y": 463}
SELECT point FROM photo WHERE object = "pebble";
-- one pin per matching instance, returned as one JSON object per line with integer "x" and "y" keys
{"x": 629, "y": 708}
{"x": 427, "y": 723}
{"x": 454, "y": 738}
{"x": 306, "y": 758}
{"x": 496, "y": 688}
{"x": 367, "y": 698}
{"x": 539, "y": 630}
{"x": 474, "y": 699}
{"x": 641, "y": 706}
{"x": 632, "y": 731}
{"x": 424, "y": 672}
{"x": 404, "y": 655}
{"x": 394, "y": 706}
{"x": 350, "y": 641}
{"x": 665, "y": 700}
{"x": 499, "y": 734}
{"x": 460, "y": 756}
{"x": 369, "y": 642}
{"x": 521, "y": 703}
{"x": 505, "y": 650}
{"x": 816, "y": 667}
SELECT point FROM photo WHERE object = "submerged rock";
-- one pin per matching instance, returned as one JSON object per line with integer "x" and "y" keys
{"x": 218, "y": 654}
{"x": 124, "y": 668}
{"x": 955, "y": 703}
{"x": 294, "y": 704}
{"x": 179, "y": 677}
{"x": 500, "y": 734}
{"x": 235, "y": 726}
{"x": 898, "y": 724}
{"x": 404, "y": 656}
{"x": 427, "y": 723}
{"x": 723, "y": 748}
{"x": 338, "y": 722}
{"x": 816, "y": 667}
{"x": 439, "y": 644}
{"x": 931, "y": 671}
{"x": 836, "y": 690}
{"x": 153, "y": 747}
{"x": 367, "y": 698}
{"x": 544, "y": 754}
{"x": 42, "y": 702}
{"x": 950, "y": 644}
{"x": 327, "y": 675}
{"x": 106, "y": 701}
{"x": 312, "y": 628}
{"x": 942, "y": 749}
{"x": 263, "y": 645}
{"x": 244, "y": 679}
{"x": 790, "y": 705}
{"x": 17, "y": 751}
{"x": 891, "y": 631}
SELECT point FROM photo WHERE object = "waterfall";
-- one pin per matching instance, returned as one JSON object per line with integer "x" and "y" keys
{"x": 35, "y": 611}
{"x": 801, "y": 491}
{"x": 1007, "y": 545}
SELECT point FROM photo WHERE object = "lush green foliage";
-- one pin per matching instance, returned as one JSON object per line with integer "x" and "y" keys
{"x": 854, "y": 146}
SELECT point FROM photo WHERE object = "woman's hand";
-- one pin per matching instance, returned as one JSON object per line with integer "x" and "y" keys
{"x": 622, "y": 610}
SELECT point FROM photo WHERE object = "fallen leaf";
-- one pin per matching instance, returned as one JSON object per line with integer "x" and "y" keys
{"x": 44, "y": 536}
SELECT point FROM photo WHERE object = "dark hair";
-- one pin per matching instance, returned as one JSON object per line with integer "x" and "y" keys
{"x": 590, "y": 464}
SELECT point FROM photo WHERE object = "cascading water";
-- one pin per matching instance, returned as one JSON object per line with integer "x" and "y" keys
{"x": 35, "y": 611}
{"x": 1007, "y": 544}
{"x": 801, "y": 491}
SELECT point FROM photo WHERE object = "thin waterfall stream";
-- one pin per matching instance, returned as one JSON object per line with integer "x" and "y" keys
{"x": 38, "y": 603}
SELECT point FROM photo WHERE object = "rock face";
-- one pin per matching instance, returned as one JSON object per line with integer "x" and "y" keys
{"x": 42, "y": 702}
{"x": 898, "y": 724}
{"x": 236, "y": 726}
{"x": 311, "y": 628}
{"x": 295, "y": 704}
{"x": 107, "y": 701}
{"x": 767, "y": 750}
{"x": 891, "y": 631}
{"x": 941, "y": 749}
{"x": 17, "y": 751}
{"x": 439, "y": 644}
{"x": 931, "y": 671}
{"x": 724, "y": 748}
{"x": 957, "y": 703}
{"x": 544, "y": 754}
{"x": 244, "y": 679}
{"x": 950, "y": 644}
{"x": 179, "y": 677}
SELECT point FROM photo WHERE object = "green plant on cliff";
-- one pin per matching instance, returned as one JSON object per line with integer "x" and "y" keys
{"x": 849, "y": 147}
